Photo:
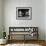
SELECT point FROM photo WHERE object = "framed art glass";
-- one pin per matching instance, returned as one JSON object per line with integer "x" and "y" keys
{"x": 23, "y": 13}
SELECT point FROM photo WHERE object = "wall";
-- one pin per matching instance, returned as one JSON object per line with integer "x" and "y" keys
{"x": 39, "y": 12}
{"x": 45, "y": 19}
{"x": 37, "y": 15}
{"x": 0, "y": 18}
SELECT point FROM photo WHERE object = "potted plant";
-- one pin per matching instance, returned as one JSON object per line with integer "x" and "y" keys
{"x": 2, "y": 37}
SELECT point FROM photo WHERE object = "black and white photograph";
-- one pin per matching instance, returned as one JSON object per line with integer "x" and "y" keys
{"x": 24, "y": 13}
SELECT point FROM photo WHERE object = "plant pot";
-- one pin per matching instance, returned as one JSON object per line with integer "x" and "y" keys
{"x": 3, "y": 41}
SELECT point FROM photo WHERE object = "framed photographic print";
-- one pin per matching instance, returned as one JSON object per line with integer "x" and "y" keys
{"x": 23, "y": 13}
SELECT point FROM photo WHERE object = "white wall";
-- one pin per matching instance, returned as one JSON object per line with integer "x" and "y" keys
{"x": 45, "y": 19}
{"x": 37, "y": 15}
{"x": 39, "y": 12}
{"x": 0, "y": 18}
{"x": 0, "y": 11}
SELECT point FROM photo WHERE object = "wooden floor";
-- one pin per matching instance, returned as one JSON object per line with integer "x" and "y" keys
{"x": 40, "y": 42}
